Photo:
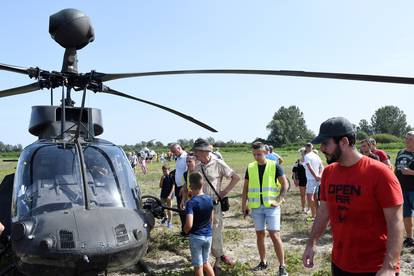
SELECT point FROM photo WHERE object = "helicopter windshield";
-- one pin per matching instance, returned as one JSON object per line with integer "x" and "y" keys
{"x": 110, "y": 178}
{"x": 48, "y": 179}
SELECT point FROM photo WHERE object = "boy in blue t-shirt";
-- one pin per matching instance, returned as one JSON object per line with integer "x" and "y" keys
{"x": 199, "y": 217}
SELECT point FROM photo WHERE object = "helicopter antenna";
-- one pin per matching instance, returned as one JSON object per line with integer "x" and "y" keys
{"x": 62, "y": 121}
{"x": 80, "y": 115}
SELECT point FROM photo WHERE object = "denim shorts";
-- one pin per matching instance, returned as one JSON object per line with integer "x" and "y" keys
{"x": 311, "y": 186}
{"x": 408, "y": 206}
{"x": 266, "y": 215}
{"x": 200, "y": 249}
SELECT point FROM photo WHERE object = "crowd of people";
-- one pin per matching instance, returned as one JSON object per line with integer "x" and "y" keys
{"x": 197, "y": 184}
{"x": 365, "y": 201}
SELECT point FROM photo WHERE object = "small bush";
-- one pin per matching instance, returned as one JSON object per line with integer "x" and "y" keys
{"x": 386, "y": 138}
{"x": 232, "y": 235}
{"x": 391, "y": 146}
{"x": 10, "y": 154}
{"x": 169, "y": 241}
{"x": 240, "y": 269}
{"x": 293, "y": 261}
{"x": 323, "y": 272}
{"x": 361, "y": 135}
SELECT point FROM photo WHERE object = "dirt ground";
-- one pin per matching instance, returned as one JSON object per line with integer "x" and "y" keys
{"x": 169, "y": 253}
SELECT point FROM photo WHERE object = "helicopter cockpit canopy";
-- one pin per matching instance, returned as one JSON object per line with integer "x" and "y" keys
{"x": 48, "y": 178}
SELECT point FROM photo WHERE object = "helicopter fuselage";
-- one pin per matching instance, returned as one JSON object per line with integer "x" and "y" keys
{"x": 64, "y": 226}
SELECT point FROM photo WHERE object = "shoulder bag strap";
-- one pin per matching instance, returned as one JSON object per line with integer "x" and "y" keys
{"x": 209, "y": 183}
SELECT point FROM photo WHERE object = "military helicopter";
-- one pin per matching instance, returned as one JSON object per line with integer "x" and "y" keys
{"x": 73, "y": 206}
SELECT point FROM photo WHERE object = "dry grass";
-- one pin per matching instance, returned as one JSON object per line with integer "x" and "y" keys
{"x": 239, "y": 236}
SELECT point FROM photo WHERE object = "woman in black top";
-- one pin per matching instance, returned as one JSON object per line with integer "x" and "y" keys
{"x": 299, "y": 178}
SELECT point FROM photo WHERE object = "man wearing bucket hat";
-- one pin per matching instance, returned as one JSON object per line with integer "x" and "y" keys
{"x": 362, "y": 200}
{"x": 213, "y": 170}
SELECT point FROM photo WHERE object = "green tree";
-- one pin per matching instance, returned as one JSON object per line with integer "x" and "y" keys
{"x": 390, "y": 119}
{"x": 211, "y": 140}
{"x": 159, "y": 144}
{"x": 364, "y": 126}
{"x": 288, "y": 126}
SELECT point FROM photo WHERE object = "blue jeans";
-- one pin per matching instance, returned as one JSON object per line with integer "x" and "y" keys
{"x": 200, "y": 249}
{"x": 266, "y": 215}
{"x": 408, "y": 206}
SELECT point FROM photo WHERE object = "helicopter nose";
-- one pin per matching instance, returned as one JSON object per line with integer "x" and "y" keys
{"x": 99, "y": 239}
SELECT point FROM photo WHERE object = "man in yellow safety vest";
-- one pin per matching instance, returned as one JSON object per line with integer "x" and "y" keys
{"x": 264, "y": 189}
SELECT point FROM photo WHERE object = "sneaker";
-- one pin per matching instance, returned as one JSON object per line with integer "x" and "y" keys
{"x": 282, "y": 271}
{"x": 227, "y": 260}
{"x": 164, "y": 221}
{"x": 169, "y": 225}
{"x": 408, "y": 242}
{"x": 260, "y": 266}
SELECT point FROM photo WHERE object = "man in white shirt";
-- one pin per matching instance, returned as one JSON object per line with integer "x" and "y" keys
{"x": 180, "y": 168}
{"x": 313, "y": 168}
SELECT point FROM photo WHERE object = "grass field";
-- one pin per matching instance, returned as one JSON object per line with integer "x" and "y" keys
{"x": 239, "y": 235}
{"x": 169, "y": 253}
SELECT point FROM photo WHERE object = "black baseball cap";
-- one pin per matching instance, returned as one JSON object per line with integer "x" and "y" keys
{"x": 333, "y": 127}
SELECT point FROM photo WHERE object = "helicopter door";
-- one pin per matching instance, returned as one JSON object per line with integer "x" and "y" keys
{"x": 102, "y": 182}
{"x": 110, "y": 177}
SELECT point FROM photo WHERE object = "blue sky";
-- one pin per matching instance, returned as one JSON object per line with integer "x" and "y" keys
{"x": 367, "y": 37}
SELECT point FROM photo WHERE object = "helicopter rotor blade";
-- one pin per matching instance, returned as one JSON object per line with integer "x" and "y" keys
{"x": 13, "y": 68}
{"x": 107, "y": 90}
{"x": 20, "y": 90}
{"x": 344, "y": 76}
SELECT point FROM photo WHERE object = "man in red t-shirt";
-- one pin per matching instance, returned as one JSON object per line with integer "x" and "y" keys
{"x": 384, "y": 158}
{"x": 362, "y": 200}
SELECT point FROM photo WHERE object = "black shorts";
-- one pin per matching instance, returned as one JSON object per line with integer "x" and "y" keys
{"x": 302, "y": 183}
{"x": 165, "y": 192}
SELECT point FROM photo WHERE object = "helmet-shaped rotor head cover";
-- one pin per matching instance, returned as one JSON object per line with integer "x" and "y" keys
{"x": 71, "y": 28}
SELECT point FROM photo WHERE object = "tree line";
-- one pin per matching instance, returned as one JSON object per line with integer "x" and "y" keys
{"x": 288, "y": 126}
{"x": 185, "y": 143}
{"x": 10, "y": 148}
